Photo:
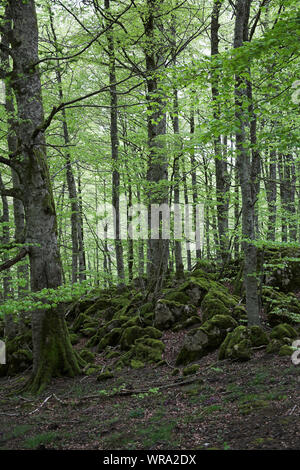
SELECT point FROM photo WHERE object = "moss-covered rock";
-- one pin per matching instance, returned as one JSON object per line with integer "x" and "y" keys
{"x": 286, "y": 350}
{"x": 130, "y": 335}
{"x": 152, "y": 332}
{"x": 237, "y": 345}
{"x": 258, "y": 336}
{"x": 218, "y": 302}
{"x": 87, "y": 355}
{"x": 169, "y": 312}
{"x": 179, "y": 297}
{"x": 110, "y": 339}
{"x": 135, "y": 364}
{"x": 275, "y": 345}
{"x": 200, "y": 341}
{"x": 190, "y": 370}
{"x": 284, "y": 330}
{"x": 196, "y": 289}
{"x": 105, "y": 376}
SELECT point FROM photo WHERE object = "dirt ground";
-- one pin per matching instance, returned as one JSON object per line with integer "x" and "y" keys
{"x": 226, "y": 406}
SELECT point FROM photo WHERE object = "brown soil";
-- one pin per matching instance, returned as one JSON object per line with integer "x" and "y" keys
{"x": 227, "y": 405}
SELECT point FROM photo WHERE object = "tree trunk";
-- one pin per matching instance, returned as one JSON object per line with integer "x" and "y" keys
{"x": 246, "y": 172}
{"x": 222, "y": 179}
{"x": 52, "y": 350}
{"x": 157, "y": 173}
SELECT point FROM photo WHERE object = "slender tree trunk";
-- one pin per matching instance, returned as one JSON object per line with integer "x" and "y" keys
{"x": 114, "y": 147}
{"x": 196, "y": 227}
{"x": 271, "y": 193}
{"x": 222, "y": 179}
{"x": 246, "y": 173}
{"x": 76, "y": 227}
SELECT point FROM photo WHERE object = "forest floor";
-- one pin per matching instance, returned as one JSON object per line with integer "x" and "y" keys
{"x": 249, "y": 405}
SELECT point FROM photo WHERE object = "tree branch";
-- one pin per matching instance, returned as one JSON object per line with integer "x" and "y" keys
{"x": 9, "y": 263}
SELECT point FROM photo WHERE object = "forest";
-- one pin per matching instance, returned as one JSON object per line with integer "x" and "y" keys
{"x": 149, "y": 225}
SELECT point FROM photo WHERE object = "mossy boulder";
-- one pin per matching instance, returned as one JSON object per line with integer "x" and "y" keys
{"x": 237, "y": 345}
{"x": 179, "y": 297}
{"x": 18, "y": 354}
{"x": 169, "y": 312}
{"x": 275, "y": 345}
{"x": 130, "y": 335}
{"x": 200, "y": 341}
{"x": 258, "y": 336}
{"x": 148, "y": 350}
{"x": 284, "y": 330}
{"x": 87, "y": 356}
{"x": 105, "y": 376}
{"x": 286, "y": 350}
{"x": 196, "y": 289}
{"x": 110, "y": 339}
{"x": 218, "y": 302}
{"x": 190, "y": 370}
{"x": 145, "y": 349}
{"x": 152, "y": 332}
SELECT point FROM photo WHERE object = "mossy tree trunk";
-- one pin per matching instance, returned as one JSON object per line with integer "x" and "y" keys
{"x": 53, "y": 354}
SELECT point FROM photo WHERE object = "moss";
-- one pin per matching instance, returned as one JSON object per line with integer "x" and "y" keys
{"x": 74, "y": 338}
{"x": 129, "y": 336}
{"x": 110, "y": 339}
{"x": 237, "y": 345}
{"x": 79, "y": 322}
{"x": 146, "y": 353}
{"x": 179, "y": 297}
{"x": 190, "y": 370}
{"x": 284, "y": 330}
{"x": 135, "y": 364}
{"x": 98, "y": 306}
{"x": 192, "y": 321}
{"x": 87, "y": 355}
{"x": 88, "y": 332}
{"x": 91, "y": 370}
{"x": 146, "y": 308}
{"x": 218, "y": 302}
{"x": 258, "y": 336}
{"x": 175, "y": 371}
{"x": 104, "y": 376}
{"x": 286, "y": 350}
{"x": 152, "y": 332}
{"x": 211, "y": 306}
{"x": 200, "y": 341}
{"x": 275, "y": 345}
{"x": 112, "y": 354}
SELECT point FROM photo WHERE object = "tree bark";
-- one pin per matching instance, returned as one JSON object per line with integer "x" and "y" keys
{"x": 52, "y": 350}
{"x": 246, "y": 172}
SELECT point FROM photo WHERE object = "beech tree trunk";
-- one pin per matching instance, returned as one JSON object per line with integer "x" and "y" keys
{"x": 52, "y": 350}
{"x": 247, "y": 174}
{"x": 157, "y": 173}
